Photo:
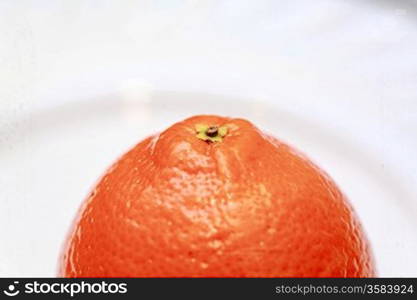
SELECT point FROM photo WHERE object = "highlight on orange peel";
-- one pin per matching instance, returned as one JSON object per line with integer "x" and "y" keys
{"x": 215, "y": 197}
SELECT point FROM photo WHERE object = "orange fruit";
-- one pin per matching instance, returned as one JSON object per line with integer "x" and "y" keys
{"x": 216, "y": 197}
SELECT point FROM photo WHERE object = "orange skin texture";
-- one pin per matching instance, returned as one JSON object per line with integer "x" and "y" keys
{"x": 247, "y": 206}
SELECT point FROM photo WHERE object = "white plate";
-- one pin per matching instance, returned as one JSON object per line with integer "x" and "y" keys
{"x": 84, "y": 81}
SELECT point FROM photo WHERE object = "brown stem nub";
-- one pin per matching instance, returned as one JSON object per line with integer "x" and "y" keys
{"x": 212, "y": 131}
{"x": 210, "y": 134}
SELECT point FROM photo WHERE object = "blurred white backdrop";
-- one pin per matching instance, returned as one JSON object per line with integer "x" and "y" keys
{"x": 82, "y": 81}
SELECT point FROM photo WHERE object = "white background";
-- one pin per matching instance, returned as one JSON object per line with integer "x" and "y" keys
{"x": 82, "y": 81}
